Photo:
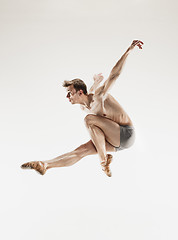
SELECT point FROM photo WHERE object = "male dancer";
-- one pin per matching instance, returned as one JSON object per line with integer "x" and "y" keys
{"x": 109, "y": 126}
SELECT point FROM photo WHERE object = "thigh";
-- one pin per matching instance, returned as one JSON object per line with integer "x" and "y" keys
{"x": 110, "y": 128}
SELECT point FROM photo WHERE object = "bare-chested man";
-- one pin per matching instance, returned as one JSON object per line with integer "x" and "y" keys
{"x": 109, "y": 126}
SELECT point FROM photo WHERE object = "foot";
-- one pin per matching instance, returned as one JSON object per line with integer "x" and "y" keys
{"x": 106, "y": 168}
{"x": 39, "y": 166}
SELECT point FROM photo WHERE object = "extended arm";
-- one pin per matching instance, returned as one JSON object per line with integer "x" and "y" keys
{"x": 115, "y": 72}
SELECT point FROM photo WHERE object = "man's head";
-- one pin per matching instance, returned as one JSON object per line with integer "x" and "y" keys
{"x": 76, "y": 90}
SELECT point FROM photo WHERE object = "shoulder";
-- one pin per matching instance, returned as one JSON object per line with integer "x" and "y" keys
{"x": 99, "y": 91}
{"x": 99, "y": 96}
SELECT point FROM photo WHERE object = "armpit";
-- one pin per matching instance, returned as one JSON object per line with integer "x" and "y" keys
{"x": 99, "y": 90}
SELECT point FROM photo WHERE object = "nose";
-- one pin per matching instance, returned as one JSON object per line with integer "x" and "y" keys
{"x": 68, "y": 95}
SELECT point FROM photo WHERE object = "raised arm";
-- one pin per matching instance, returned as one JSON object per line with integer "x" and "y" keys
{"x": 115, "y": 72}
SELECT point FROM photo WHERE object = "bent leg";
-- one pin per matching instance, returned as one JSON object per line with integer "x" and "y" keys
{"x": 110, "y": 128}
{"x": 102, "y": 129}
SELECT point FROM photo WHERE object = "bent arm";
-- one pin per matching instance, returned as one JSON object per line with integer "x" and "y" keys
{"x": 93, "y": 87}
{"x": 97, "y": 80}
{"x": 117, "y": 69}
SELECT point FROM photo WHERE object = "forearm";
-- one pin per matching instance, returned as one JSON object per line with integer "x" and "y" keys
{"x": 93, "y": 87}
{"x": 98, "y": 78}
{"x": 115, "y": 72}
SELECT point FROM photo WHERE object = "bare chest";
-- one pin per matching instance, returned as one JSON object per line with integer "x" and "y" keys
{"x": 108, "y": 107}
{"x": 97, "y": 106}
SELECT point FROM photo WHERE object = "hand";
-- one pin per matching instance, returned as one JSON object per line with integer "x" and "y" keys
{"x": 136, "y": 43}
{"x": 98, "y": 78}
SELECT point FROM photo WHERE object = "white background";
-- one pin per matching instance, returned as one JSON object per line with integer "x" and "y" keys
{"x": 43, "y": 43}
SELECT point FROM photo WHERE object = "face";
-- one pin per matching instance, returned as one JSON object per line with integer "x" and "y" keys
{"x": 73, "y": 95}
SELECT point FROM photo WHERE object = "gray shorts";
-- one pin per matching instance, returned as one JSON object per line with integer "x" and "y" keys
{"x": 127, "y": 137}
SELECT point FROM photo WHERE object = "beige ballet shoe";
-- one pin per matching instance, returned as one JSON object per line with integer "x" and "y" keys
{"x": 106, "y": 168}
{"x": 36, "y": 165}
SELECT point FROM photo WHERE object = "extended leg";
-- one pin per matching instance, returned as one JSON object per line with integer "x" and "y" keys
{"x": 72, "y": 157}
{"x": 67, "y": 159}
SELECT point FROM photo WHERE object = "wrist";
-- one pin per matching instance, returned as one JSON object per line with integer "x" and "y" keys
{"x": 128, "y": 50}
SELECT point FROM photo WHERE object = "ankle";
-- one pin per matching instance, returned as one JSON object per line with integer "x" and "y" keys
{"x": 46, "y": 165}
{"x": 103, "y": 162}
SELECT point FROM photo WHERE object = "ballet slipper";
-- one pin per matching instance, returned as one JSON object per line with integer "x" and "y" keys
{"x": 39, "y": 166}
{"x": 106, "y": 168}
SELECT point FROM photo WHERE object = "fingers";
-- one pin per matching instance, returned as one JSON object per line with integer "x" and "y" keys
{"x": 98, "y": 74}
{"x": 137, "y": 43}
{"x": 98, "y": 77}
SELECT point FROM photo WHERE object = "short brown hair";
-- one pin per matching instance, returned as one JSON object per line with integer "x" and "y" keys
{"x": 77, "y": 83}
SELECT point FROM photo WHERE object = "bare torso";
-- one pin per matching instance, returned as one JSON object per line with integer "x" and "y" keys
{"x": 107, "y": 106}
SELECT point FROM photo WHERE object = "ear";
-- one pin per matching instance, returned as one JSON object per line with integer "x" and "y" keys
{"x": 80, "y": 92}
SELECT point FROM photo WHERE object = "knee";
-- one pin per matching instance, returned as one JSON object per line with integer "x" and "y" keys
{"x": 89, "y": 119}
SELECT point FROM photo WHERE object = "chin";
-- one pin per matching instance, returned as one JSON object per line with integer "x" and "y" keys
{"x": 72, "y": 102}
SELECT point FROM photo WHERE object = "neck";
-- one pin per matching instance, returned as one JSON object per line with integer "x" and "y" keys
{"x": 87, "y": 100}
